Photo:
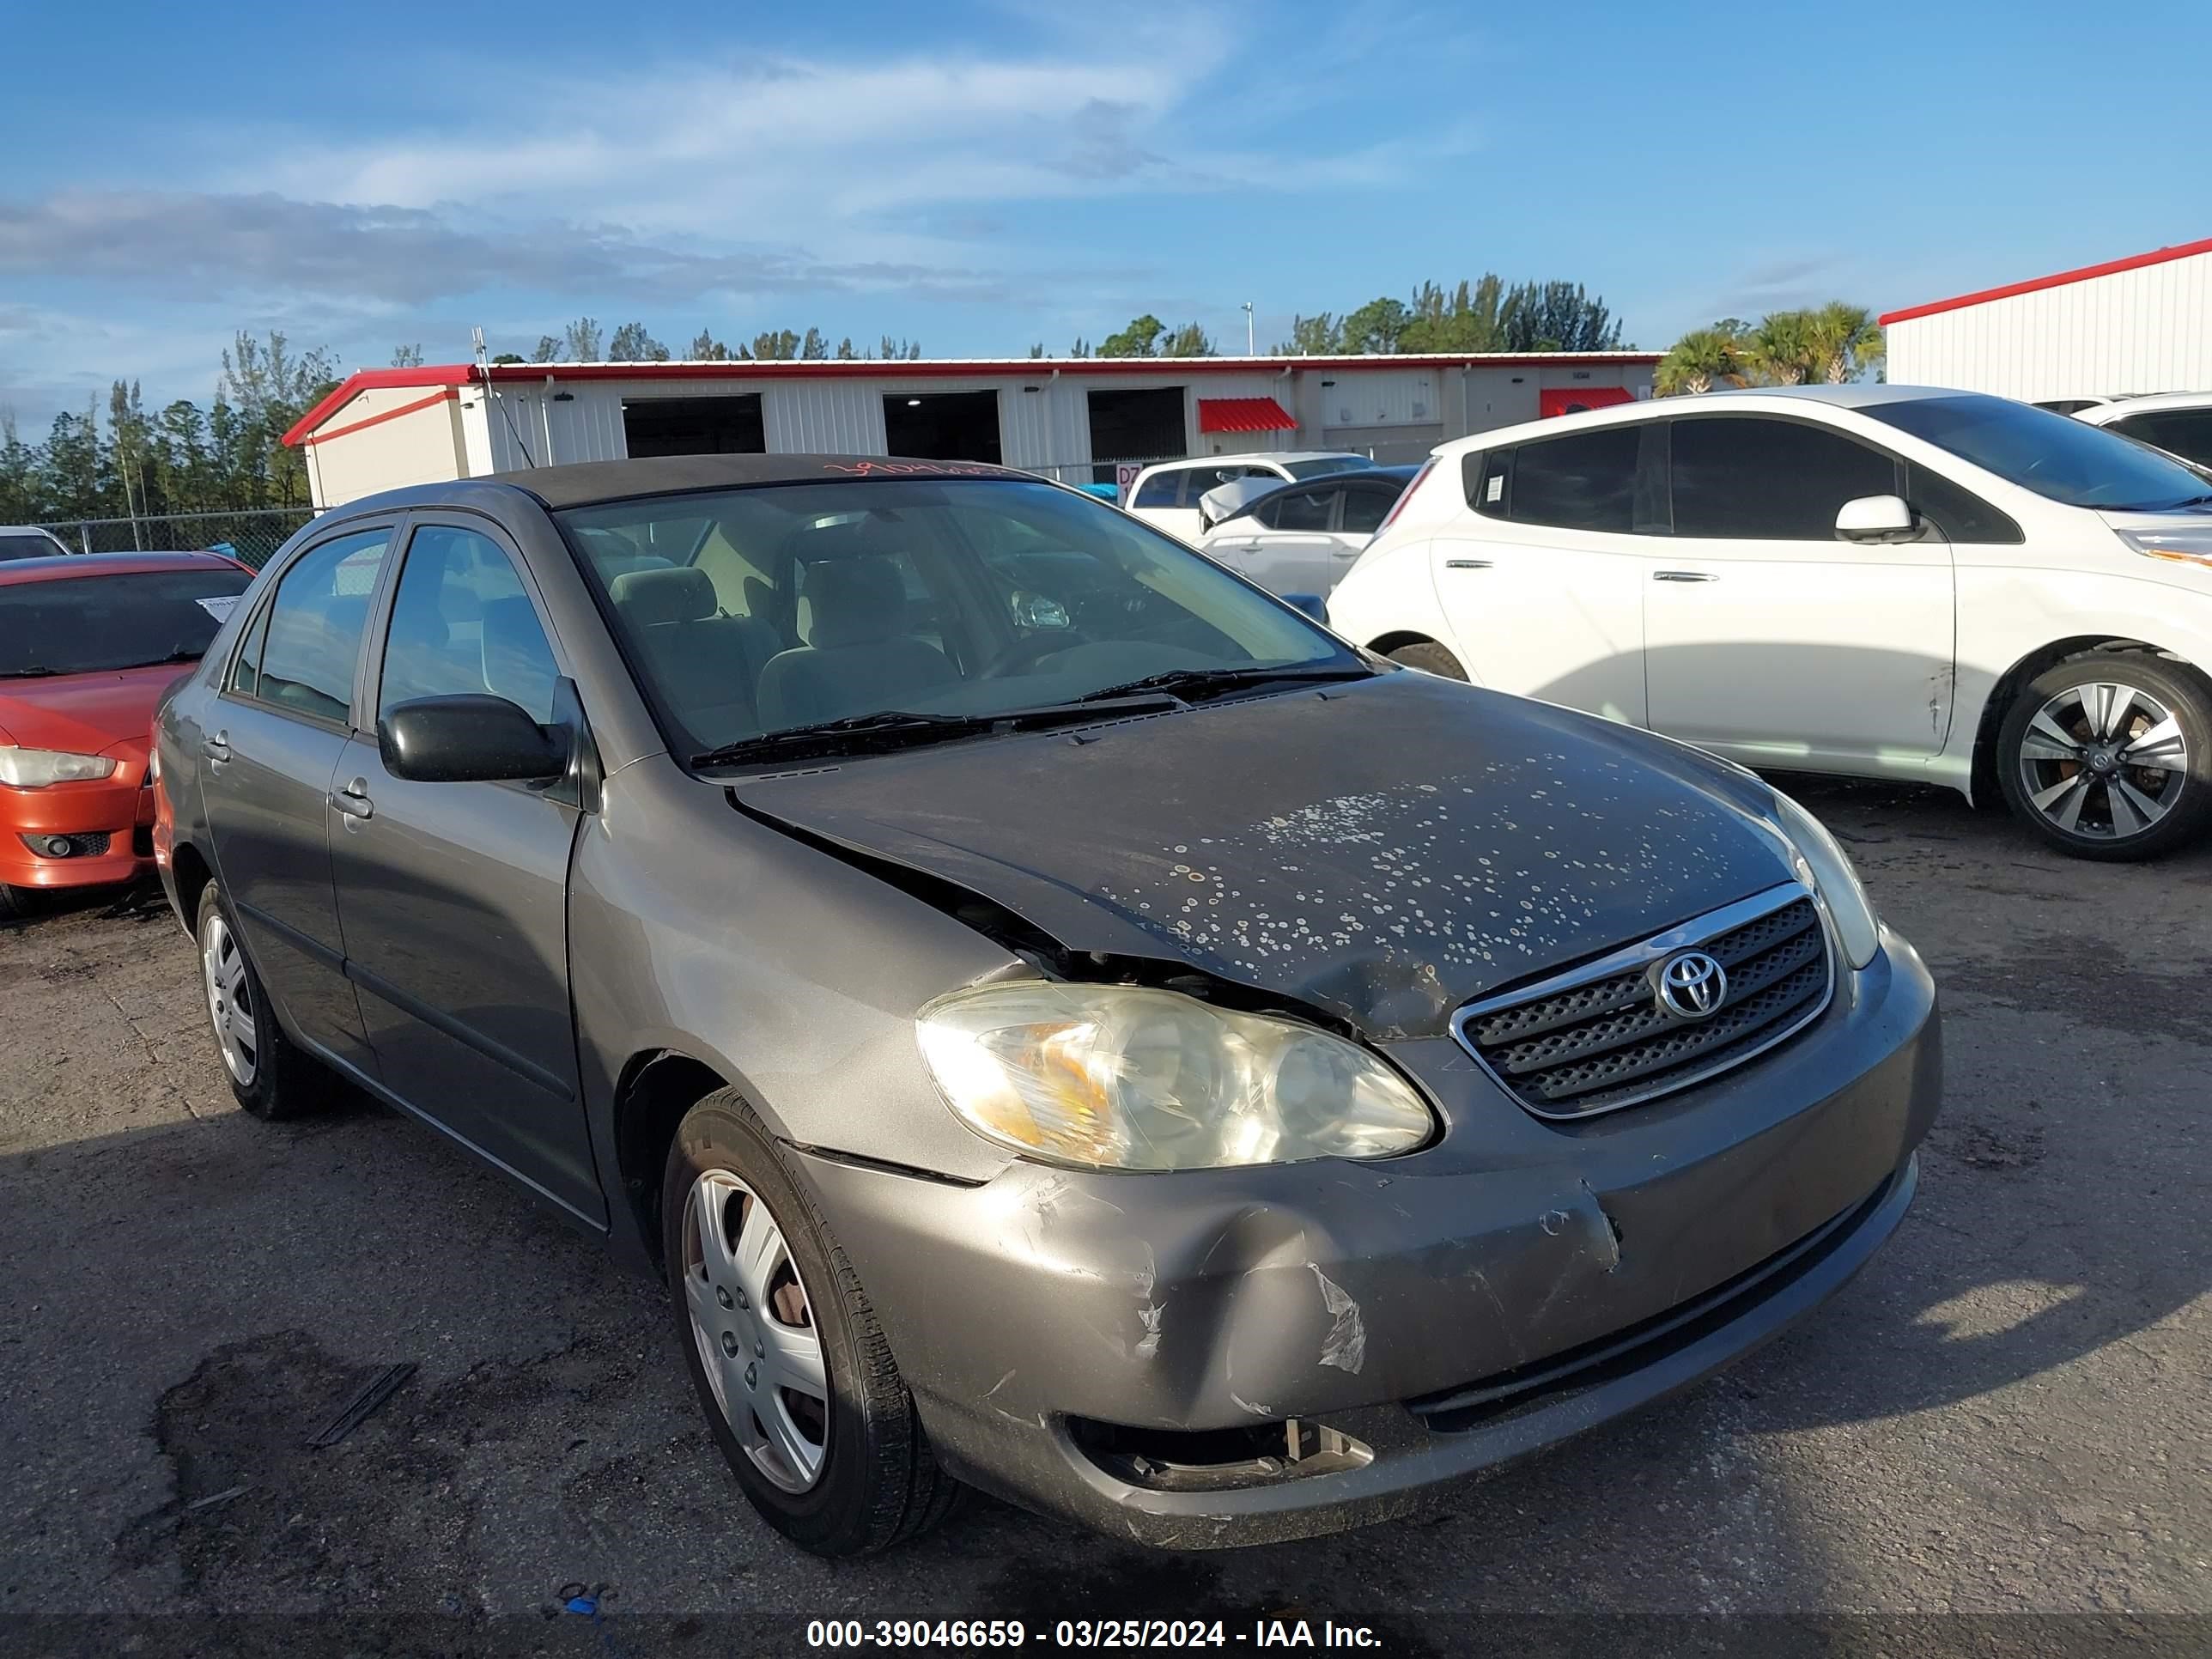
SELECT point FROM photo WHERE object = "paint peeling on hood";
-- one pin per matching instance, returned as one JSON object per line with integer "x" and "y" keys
{"x": 1384, "y": 852}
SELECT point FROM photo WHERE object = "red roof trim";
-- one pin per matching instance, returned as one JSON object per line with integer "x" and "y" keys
{"x": 1041, "y": 369}
{"x": 1243, "y": 415}
{"x": 2034, "y": 284}
{"x": 444, "y": 395}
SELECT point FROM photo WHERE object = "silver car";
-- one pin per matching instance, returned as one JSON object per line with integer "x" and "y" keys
{"x": 1056, "y": 1018}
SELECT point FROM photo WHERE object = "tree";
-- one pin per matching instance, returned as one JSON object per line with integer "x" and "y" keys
{"x": 1140, "y": 339}
{"x": 1701, "y": 359}
{"x": 1377, "y": 326}
{"x": 548, "y": 349}
{"x": 1312, "y": 336}
{"x": 271, "y": 389}
{"x": 895, "y": 351}
{"x": 1188, "y": 340}
{"x": 407, "y": 356}
{"x": 1555, "y": 317}
{"x": 814, "y": 349}
{"x": 632, "y": 345}
{"x": 510, "y": 357}
{"x": 583, "y": 341}
{"x": 775, "y": 345}
{"x": 845, "y": 352}
{"x": 1036, "y": 351}
{"x": 1080, "y": 348}
{"x": 1844, "y": 340}
{"x": 1784, "y": 348}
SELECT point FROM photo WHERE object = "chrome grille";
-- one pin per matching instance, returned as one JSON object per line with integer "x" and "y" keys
{"x": 1597, "y": 1038}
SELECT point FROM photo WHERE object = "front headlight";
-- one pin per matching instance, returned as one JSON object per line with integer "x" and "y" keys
{"x": 1823, "y": 865}
{"x": 2176, "y": 546}
{"x": 28, "y": 769}
{"x": 1123, "y": 1077}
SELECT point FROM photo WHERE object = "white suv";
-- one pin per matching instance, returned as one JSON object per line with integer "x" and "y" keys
{"x": 1165, "y": 496}
{"x": 2179, "y": 423}
{"x": 1884, "y": 581}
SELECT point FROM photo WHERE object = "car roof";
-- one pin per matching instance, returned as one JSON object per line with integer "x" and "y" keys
{"x": 1777, "y": 400}
{"x": 2146, "y": 403}
{"x": 110, "y": 564}
{"x": 26, "y": 529}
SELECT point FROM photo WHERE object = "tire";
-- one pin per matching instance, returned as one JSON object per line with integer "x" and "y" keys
{"x": 269, "y": 1076}
{"x": 877, "y": 1482}
{"x": 14, "y": 901}
{"x": 2066, "y": 744}
{"x": 1429, "y": 659}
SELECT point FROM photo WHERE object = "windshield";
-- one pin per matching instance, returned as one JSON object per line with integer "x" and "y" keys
{"x": 84, "y": 624}
{"x": 2055, "y": 455}
{"x": 751, "y": 611}
{"x": 1315, "y": 468}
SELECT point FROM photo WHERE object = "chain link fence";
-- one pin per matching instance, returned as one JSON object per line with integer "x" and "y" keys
{"x": 252, "y": 535}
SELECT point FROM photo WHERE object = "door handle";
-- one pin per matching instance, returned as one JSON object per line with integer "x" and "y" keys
{"x": 1467, "y": 564}
{"x": 352, "y": 801}
{"x": 217, "y": 747}
{"x": 1683, "y": 576}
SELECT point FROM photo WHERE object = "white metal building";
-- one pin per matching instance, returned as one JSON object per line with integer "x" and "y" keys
{"x": 2129, "y": 326}
{"x": 1071, "y": 418}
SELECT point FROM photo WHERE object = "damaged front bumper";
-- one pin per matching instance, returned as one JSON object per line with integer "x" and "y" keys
{"x": 1228, "y": 1357}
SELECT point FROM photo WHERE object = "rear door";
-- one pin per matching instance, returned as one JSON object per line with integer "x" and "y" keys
{"x": 1288, "y": 546}
{"x": 1767, "y": 637}
{"x": 454, "y": 895}
{"x": 273, "y": 741}
{"x": 1543, "y": 584}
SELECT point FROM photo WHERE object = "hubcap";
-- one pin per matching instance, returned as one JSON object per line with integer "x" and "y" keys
{"x": 2104, "y": 762}
{"x": 753, "y": 1323}
{"x": 230, "y": 1001}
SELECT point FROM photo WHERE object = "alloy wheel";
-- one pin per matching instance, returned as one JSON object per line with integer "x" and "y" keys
{"x": 753, "y": 1322}
{"x": 230, "y": 1001}
{"x": 2104, "y": 761}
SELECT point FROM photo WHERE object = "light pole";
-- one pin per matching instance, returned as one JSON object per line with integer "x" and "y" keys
{"x": 1250, "y": 350}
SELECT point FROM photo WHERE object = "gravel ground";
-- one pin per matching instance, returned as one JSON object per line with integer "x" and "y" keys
{"x": 2007, "y": 1414}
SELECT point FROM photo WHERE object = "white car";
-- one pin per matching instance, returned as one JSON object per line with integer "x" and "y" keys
{"x": 28, "y": 541}
{"x": 1876, "y": 580}
{"x": 1166, "y": 495}
{"x": 1303, "y": 538}
{"x": 2179, "y": 423}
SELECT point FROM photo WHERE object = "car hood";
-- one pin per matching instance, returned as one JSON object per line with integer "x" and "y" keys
{"x": 1382, "y": 850}
{"x": 86, "y": 713}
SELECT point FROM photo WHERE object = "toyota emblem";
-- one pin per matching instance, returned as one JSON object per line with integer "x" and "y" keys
{"x": 1692, "y": 985}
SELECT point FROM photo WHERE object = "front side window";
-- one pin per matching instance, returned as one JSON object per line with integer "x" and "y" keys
{"x": 1161, "y": 489}
{"x": 462, "y": 621}
{"x": 2184, "y": 432}
{"x": 1303, "y": 509}
{"x": 1365, "y": 510}
{"x": 958, "y": 598}
{"x": 92, "y": 624}
{"x": 1958, "y": 512}
{"x": 1750, "y": 478}
{"x": 312, "y": 643}
{"x": 1585, "y": 481}
{"x": 2057, "y": 457}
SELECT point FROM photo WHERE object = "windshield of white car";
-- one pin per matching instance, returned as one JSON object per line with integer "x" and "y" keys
{"x": 2057, "y": 457}
{"x": 91, "y": 624}
{"x": 746, "y": 612}
{"x": 1315, "y": 468}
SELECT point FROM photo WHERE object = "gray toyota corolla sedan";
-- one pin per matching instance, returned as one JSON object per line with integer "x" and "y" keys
{"x": 1056, "y": 1019}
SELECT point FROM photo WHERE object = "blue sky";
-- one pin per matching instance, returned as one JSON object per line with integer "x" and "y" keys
{"x": 981, "y": 176}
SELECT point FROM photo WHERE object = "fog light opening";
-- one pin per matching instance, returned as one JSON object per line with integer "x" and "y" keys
{"x": 1216, "y": 1460}
{"x": 58, "y": 846}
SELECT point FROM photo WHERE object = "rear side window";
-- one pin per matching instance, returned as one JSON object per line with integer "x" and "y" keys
{"x": 2184, "y": 432}
{"x": 1363, "y": 510}
{"x": 1585, "y": 481}
{"x": 461, "y": 622}
{"x": 1303, "y": 509}
{"x": 1960, "y": 514}
{"x": 1749, "y": 478}
{"x": 1161, "y": 489}
{"x": 314, "y": 626}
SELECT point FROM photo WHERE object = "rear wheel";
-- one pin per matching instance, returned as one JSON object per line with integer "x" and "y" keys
{"x": 797, "y": 1381}
{"x": 1430, "y": 658}
{"x": 2110, "y": 756}
{"x": 271, "y": 1077}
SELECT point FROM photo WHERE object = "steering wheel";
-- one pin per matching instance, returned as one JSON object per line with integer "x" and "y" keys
{"x": 1024, "y": 651}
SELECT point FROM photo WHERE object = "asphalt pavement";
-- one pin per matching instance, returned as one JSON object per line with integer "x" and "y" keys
{"x": 1999, "y": 1437}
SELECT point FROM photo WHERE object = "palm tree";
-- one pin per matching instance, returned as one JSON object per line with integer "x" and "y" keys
{"x": 1783, "y": 351}
{"x": 1700, "y": 358}
{"x": 1844, "y": 340}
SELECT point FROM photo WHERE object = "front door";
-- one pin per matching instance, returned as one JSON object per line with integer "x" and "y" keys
{"x": 1288, "y": 547}
{"x": 1769, "y": 639}
{"x": 1544, "y": 595}
{"x": 273, "y": 741}
{"x": 454, "y": 895}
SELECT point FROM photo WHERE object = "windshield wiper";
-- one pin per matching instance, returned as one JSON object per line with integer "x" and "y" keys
{"x": 1190, "y": 683}
{"x": 182, "y": 653}
{"x": 899, "y": 728}
{"x": 31, "y": 672}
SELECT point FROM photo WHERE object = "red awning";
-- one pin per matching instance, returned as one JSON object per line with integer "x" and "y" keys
{"x": 1243, "y": 415}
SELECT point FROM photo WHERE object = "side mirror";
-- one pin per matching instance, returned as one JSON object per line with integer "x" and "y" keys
{"x": 1311, "y": 604}
{"x": 470, "y": 737}
{"x": 1877, "y": 519}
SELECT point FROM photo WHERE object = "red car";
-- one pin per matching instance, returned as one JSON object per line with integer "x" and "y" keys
{"x": 88, "y": 645}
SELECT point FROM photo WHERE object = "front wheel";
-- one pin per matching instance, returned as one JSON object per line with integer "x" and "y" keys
{"x": 2109, "y": 756}
{"x": 798, "y": 1382}
{"x": 1430, "y": 658}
